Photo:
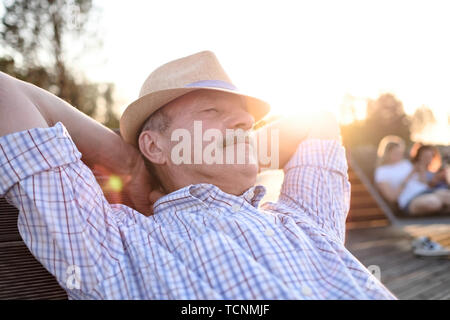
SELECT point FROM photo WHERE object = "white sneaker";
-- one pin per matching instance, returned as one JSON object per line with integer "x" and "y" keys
{"x": 423, "y": 246}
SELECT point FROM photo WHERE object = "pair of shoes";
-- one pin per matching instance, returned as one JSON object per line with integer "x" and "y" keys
{"x": 423, "y": 246}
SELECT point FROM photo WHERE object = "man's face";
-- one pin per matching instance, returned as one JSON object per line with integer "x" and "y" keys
{"x": 197, "y": 113}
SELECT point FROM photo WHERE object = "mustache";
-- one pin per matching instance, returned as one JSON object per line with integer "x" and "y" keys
{"x": 235, "y": 137}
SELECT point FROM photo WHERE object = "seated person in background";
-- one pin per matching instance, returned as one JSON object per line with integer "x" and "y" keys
{"x": 405, "y": 183}
{"x": 435, "y": 172}
{"x": 427, "y": 160}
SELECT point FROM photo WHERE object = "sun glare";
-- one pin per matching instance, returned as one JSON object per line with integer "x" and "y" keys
{"x": 297, "y": 55}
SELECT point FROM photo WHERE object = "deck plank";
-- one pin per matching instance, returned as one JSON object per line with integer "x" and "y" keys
{"x": 406, "y": 275}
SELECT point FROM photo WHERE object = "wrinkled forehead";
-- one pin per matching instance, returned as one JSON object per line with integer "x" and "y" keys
{"x": 202, "y": 98}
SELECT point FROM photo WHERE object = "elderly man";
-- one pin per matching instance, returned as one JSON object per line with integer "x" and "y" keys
{"x": 196, "y": 230}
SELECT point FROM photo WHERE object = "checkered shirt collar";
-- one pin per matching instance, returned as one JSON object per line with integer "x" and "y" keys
{"x": 206, "y": 196}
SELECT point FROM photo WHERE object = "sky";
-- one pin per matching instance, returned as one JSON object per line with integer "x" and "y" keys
{"x": 297, "y": 55}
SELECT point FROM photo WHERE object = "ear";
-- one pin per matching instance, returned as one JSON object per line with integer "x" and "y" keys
{"x": 151, "y": 146}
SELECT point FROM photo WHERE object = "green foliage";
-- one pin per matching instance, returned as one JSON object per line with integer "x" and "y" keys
{"x": 37, "y": 33}
{"x": 38, "y": 29}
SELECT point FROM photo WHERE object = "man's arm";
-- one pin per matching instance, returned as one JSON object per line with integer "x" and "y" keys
{"x": 316, "y": 182}
{"x": 292, "y": 130}
{"x": 24, "y": 106}
{"x": 17, "y": 111}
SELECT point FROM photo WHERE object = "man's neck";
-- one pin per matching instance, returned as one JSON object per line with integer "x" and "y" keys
{"x": 173, "y": 182}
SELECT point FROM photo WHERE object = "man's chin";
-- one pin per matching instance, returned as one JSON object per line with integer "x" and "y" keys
{"x": 244, "y": 174}
{"x": 247, "y": 169}
{"x": 240, "y": 176}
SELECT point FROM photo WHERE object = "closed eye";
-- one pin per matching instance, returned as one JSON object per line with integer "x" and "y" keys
{"x": 210, "y": 110}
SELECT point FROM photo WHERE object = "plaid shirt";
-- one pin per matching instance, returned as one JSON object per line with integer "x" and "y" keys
{"x": 201, "y": 243}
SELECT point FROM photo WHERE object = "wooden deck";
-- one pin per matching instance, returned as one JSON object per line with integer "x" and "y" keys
{"x": 385, "y": 241}
{"x": 406, "y": 275}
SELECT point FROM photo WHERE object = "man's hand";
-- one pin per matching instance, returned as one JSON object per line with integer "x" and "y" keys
{"x": 131, "y": 185}
{"x": 294, "y": 129}
{"x": 140, "y": 188}
{"x": 323, "y": 125}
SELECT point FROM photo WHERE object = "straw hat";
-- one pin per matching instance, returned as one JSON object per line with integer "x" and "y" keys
{"x": 176, "y": 78}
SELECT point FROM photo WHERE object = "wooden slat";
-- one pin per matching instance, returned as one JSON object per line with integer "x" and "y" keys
{"x": 364, "y": 210}
{"x": 365, "y": 213}
{"x": 8, "y": 222}
{"x": 363, "y": 204}
{"x": 23, "y": 277}
{"x": 373, "y": 223}
{"x": 359, "y": 190}
{"x": 352, "y": 176}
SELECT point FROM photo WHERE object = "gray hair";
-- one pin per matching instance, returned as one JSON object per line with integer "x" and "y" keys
{"x": 158, "y": 121}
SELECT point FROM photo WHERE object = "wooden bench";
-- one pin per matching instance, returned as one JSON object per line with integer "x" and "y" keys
{"x": 21, "y": 275}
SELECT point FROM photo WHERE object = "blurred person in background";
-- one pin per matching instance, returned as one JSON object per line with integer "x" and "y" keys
{"x": 427, "y": 160}
{"x": 415, "y": 186}
{"x": 430, "y": 163}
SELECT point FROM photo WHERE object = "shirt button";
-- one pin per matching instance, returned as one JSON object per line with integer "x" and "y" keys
{"x": 250, "y": 194}
{"x": 306, "y": 290}
{"x": 235, "y": 207}
{"x": 269, "y": 232}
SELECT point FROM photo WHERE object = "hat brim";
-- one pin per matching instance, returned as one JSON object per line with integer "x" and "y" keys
{"x": 138, "y": 111}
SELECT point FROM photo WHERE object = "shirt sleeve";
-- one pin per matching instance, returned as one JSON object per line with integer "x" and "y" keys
{"x": 64, "y": 218}
{"x": 316, "y": 183}
{"x": 379, "y": 175}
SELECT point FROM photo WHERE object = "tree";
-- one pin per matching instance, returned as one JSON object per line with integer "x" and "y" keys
{"x": 422, "y": 118}
{"x": 37, "y": 33}
{"x": 385, "y": 116}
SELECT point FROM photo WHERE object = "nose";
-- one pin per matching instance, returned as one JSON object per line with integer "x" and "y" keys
{"x": 240, "y": 119}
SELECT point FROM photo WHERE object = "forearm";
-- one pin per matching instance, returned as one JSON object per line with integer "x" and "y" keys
{"x": 24, "y": 106}
{"x": 17, "y": 111}
{"x": 438, "y": 178}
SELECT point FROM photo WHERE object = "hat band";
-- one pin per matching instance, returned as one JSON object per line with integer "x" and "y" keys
{"x": 212, "y": 84}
